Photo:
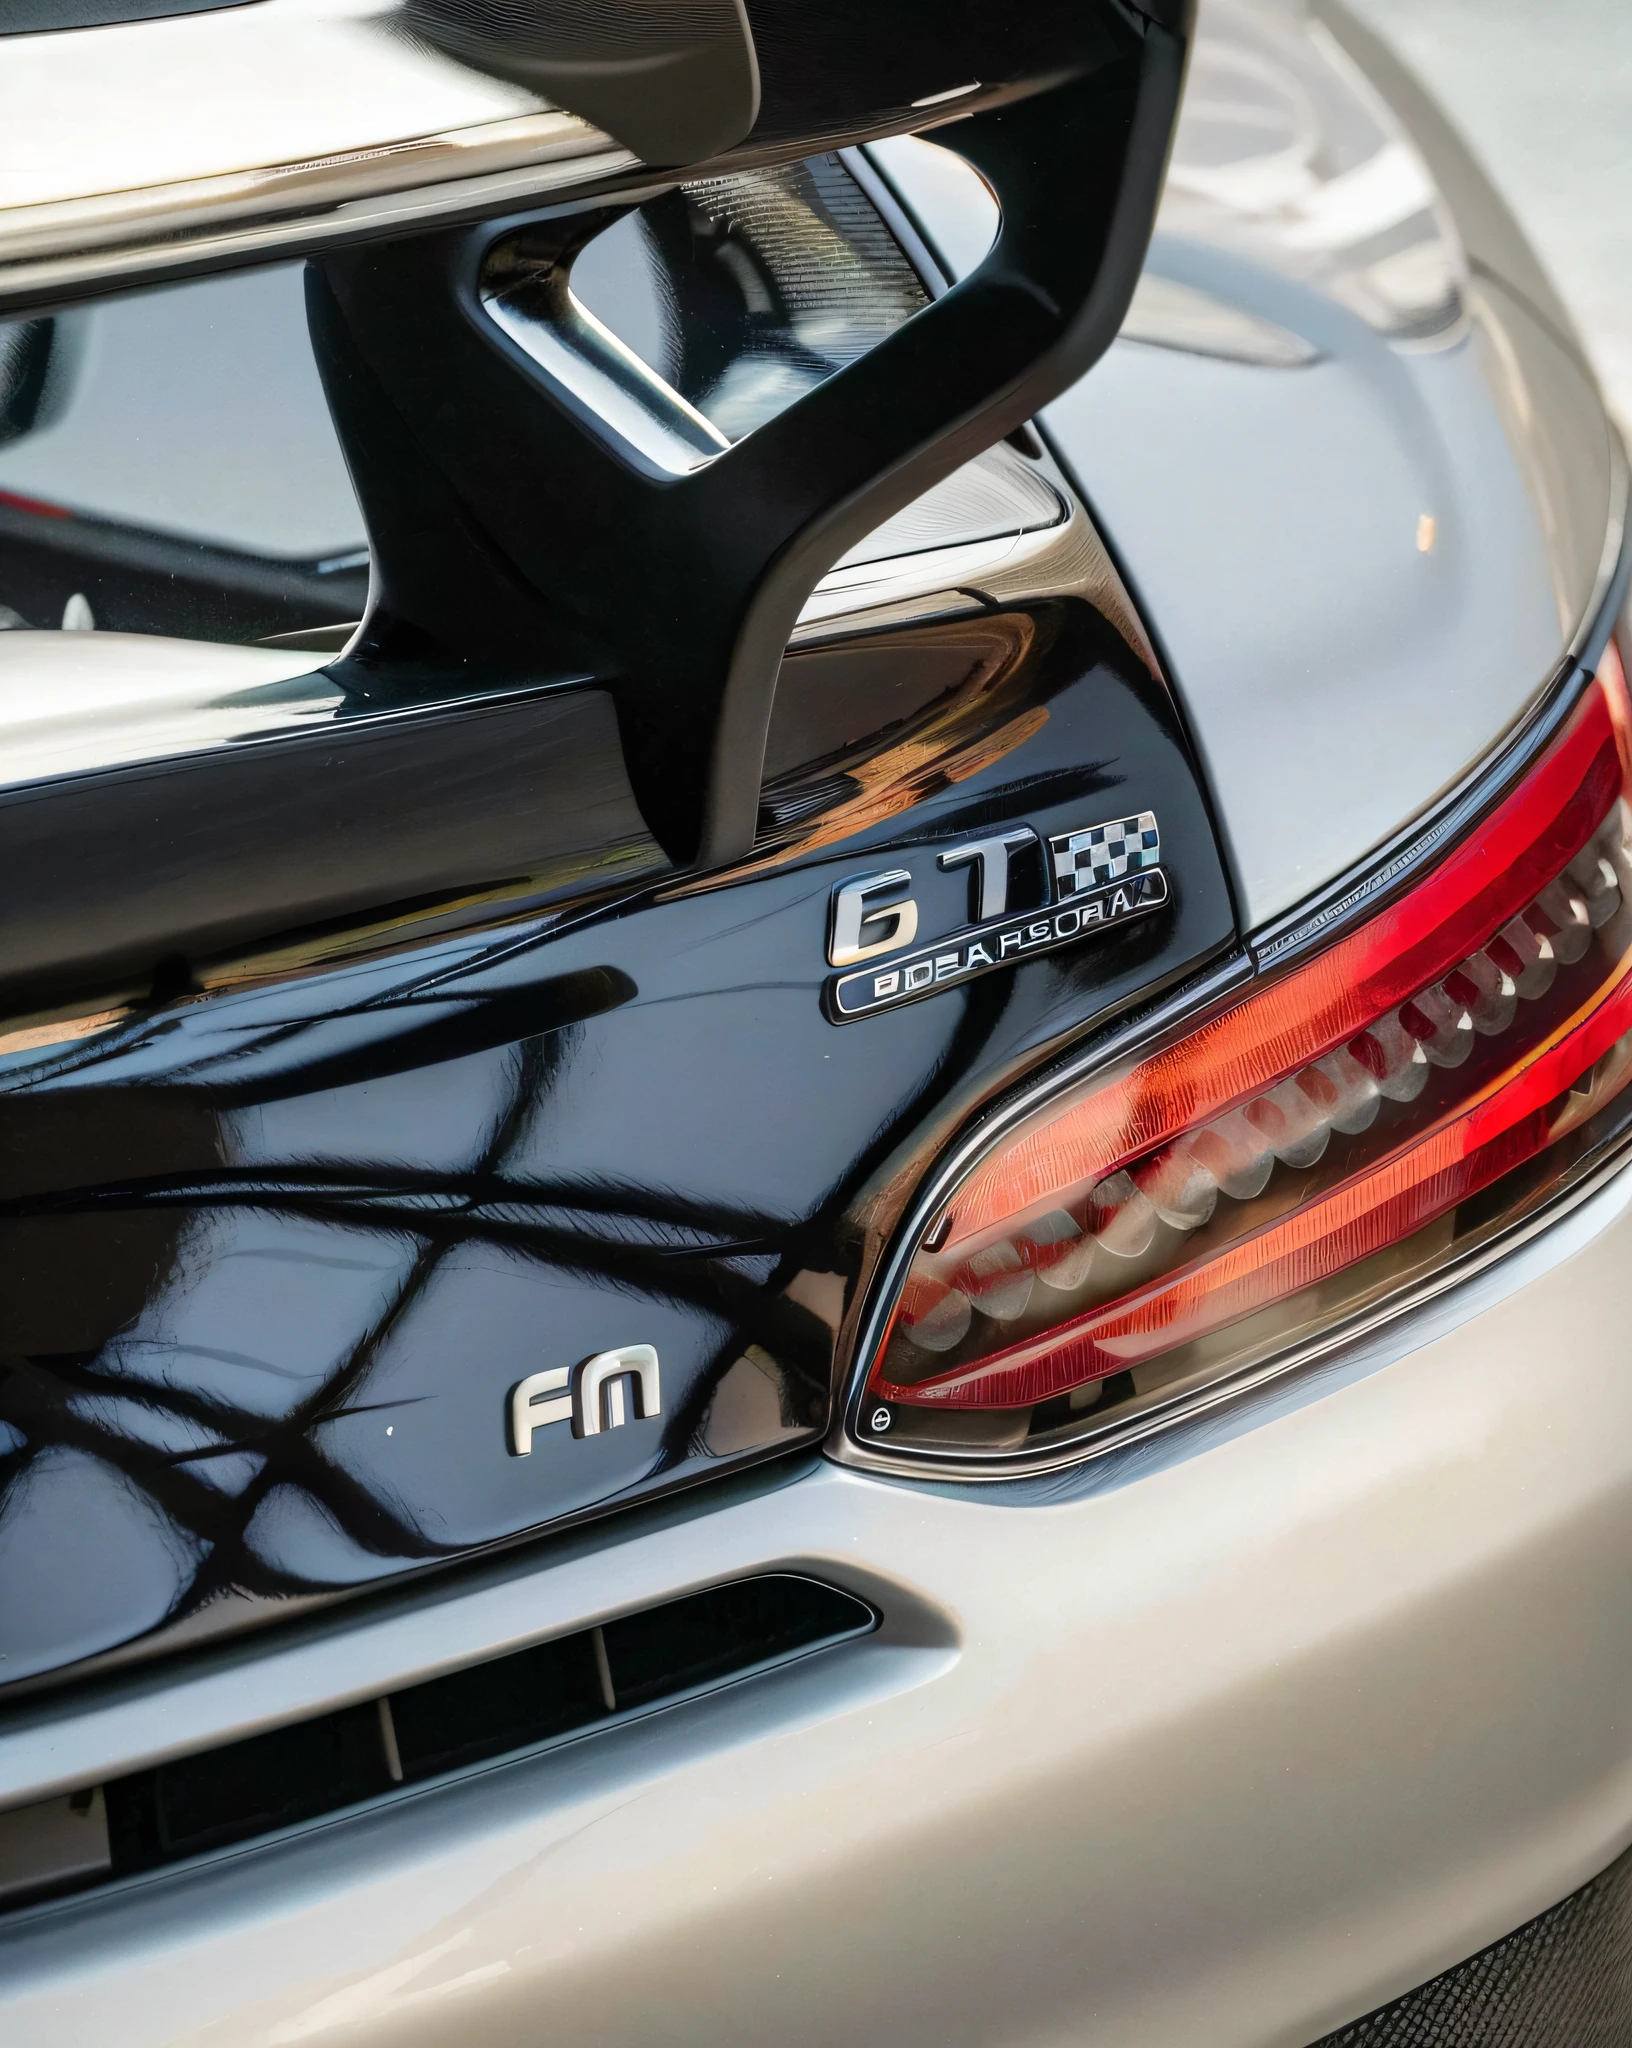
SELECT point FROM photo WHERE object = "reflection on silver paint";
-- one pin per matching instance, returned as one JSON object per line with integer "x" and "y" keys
{"x": 1178, "y": 1683}
{"x": 957, "y": 214}
{"x": 197, "y": 411}
{"x": 72, "y": 702}
{"x": 1167, "y": 314}
{"x": 212, "y": 128}
{"x": 1286, "y": 155}
{"x": 1338, "y": 676}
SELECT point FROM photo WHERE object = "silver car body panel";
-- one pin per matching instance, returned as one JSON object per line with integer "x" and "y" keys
{"x": 1362, "y": 567}
{"x": 1224, "y": 1738}
{"x": 1227, "y": 1741}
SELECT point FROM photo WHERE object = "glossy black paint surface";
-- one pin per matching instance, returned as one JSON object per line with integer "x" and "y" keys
{"x": 272, "y": 1258}
{"x": 111, "y": 875}
{"x": 857, "y": 66}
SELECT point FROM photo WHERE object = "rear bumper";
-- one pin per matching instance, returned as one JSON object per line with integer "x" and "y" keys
{"x": 1225, "y": 1742}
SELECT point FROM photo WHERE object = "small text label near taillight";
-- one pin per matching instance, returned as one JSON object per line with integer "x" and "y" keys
{"x": 1097, "y": 876}
{"x": 994, "y": 945}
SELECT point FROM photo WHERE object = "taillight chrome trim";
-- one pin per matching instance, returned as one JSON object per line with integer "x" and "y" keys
{"x": 1312, "y": 1354}
{"x": 1387, "y": 874}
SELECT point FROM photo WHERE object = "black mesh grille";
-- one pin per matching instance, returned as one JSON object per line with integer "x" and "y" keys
{"x": 1564, "y": 1980}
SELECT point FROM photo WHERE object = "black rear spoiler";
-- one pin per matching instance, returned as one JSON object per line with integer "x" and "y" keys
{"x": 517, "y": 533}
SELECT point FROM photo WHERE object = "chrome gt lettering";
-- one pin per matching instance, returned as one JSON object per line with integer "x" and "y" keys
{"x": 871, "y": 914}
{"x": 990, "y": 861}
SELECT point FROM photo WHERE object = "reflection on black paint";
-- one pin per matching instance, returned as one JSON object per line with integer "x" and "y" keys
{"x": 272, "y": 1258}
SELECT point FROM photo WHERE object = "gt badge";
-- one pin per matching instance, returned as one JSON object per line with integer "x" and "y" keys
{"x": 1095, "y": 877}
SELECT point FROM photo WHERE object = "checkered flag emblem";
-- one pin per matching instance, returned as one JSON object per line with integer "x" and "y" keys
{"x": 1104, "y": 853}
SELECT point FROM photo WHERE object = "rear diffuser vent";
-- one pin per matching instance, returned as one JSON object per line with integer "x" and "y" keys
{"x": 208, "y": 1801}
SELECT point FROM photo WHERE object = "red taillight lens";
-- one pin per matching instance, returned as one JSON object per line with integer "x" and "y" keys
{"x": 1324, "y": 1138}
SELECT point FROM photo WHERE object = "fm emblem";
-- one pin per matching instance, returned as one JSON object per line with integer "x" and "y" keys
{"x": 593, "y": 1396}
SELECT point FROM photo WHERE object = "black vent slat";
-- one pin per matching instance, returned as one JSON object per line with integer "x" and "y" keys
{"x": 246, "y": 1788}
{"x": 506, "y": 1704}
{"x": 271, "y": 1782}
{"x": 687, "y": 1643}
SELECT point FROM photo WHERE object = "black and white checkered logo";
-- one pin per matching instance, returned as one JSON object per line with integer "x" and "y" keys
{"x": 1104, "y": 853}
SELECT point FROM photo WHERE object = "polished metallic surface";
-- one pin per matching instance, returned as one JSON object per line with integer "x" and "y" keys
{"x": 989, "y": 860}
{"x": 989, "y": 948}
{"x": 871, "y": 914}
{"x": 530, "y": 1409}
{"x": 1176, "y": 1689}
{"x": 598, "y": 1392}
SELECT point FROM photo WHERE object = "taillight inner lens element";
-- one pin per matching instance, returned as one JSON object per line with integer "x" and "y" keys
{"x": 1323, "y": 1140}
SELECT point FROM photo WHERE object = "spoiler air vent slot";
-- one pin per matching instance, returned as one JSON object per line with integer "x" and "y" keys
{"x": 357, "y": 1754}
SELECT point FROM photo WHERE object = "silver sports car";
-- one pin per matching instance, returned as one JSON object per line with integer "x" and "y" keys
{"x": 815, "y": 1039}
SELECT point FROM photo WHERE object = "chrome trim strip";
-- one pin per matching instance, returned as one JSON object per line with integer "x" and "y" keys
{"x": 275, "y": 215}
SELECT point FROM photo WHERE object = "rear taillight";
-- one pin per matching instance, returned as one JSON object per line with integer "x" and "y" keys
{"x": 1325, "y": 1140}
